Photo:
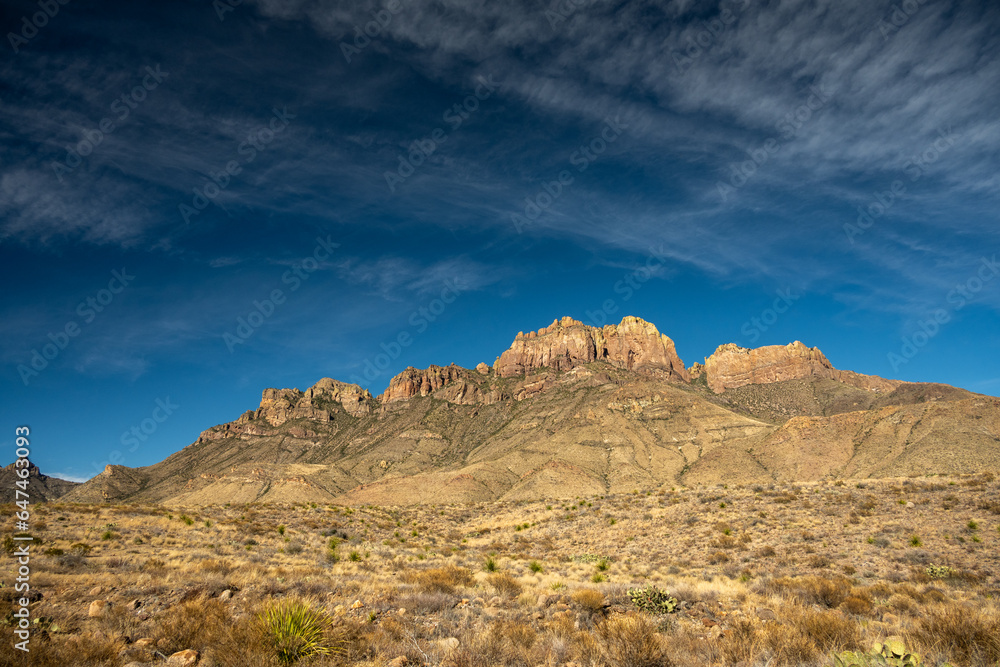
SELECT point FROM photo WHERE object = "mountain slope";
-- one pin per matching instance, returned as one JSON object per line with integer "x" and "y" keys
{"x": 40, "y": 487}
{"x": 567, "y": 410}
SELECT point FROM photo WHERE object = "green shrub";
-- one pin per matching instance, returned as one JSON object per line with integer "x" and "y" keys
{"x": 653, "y": 600}
{"x": 297, "y": 630}
{"x": 535, "y": 566}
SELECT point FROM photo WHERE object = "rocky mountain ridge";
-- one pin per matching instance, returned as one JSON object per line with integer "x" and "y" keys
{"x": 570, "y": 409}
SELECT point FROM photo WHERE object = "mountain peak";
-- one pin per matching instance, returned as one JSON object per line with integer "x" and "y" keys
{"x": 634, "y": 344}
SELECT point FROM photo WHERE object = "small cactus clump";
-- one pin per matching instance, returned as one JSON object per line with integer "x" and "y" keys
{"x": 890, "y": 653}
{"x": 939, "y": 571}
{"x": 653, "y": 600}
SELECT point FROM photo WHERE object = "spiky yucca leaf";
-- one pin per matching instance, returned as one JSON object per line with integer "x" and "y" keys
{"x": 297, "y": 629}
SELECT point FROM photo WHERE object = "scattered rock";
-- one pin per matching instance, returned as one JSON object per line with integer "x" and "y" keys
{"x": 449, "y": 643}
{"x": 96, "y": 590}
{"x": 910, "y": 505}
{"x": 708, "y": 623}
{"x": 402, "y": 611}
{"x": 134, "y": 604}
{"x": 358, "y": 604}
{"x": 144, "y": 642}
{"x": 543, "y": 600}
{"x": 98, "y": 608}
{"x": 225, "y": 595}
{"x": 398, "y": 662}
{"x": 185, "y": 658}
{"x": 766, "y": 614}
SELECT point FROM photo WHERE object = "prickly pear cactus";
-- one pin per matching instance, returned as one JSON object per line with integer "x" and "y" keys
{"x": 653, "y": 600}
{"x": 889, "y": 653}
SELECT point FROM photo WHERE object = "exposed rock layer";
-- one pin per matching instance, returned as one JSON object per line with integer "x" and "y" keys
{"x": 634, "y": 345}
{"x": 732, "y": 366}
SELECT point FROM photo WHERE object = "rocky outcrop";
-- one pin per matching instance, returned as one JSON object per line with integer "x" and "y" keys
{"x": 732, "y": 366}
{"x": 318, "y": 403}
{"x": 40, "y": 487}
{"x": 356, "y": 401}
{"x": 634, "y": 345}
{"x": 416, "y": 382}
{"x": 449, "y": 383}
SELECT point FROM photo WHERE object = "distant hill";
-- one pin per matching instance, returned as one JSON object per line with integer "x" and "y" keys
{"x": 40, "y": 487}
{"x": 572, "y": 410}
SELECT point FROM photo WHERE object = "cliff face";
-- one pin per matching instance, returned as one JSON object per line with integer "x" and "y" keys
{"x": 634, "y": 345}
{"x": 416, "y": 382}
{"x": 732, "y": 366}
{"x": 279, "y": 405}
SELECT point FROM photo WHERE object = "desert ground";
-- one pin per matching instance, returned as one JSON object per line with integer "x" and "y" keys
{"x": 755, "y": 575}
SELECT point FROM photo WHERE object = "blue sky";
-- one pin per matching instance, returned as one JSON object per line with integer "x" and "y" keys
{"x": 180, "y": 164}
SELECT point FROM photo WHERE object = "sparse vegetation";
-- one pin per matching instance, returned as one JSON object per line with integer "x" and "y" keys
{"x": 728, "y": 587}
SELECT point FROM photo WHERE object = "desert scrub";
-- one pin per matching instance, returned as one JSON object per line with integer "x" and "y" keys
{"x": 653, "y": 600}
{"x": 592, "y": 558}
{"x": 939, "y": 572}
{"x": 296, "y": 629}
{"x": 504, "y": 584}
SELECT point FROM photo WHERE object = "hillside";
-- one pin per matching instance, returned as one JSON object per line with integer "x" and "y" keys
{"x": 40, "y": 487}
{"x": 570, "y": 410}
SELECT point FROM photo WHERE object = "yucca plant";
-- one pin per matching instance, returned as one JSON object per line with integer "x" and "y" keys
{"x": 297, "y": 630}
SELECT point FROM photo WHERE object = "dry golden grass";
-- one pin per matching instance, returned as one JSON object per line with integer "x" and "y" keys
{"x": 804, "y": 570}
